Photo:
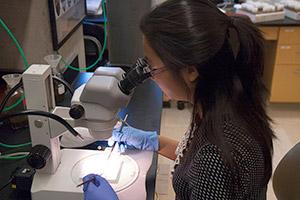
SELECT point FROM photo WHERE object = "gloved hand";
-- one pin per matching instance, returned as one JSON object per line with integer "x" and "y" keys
{"x": 132, "y": 138}
{"x": 99, "y": 189}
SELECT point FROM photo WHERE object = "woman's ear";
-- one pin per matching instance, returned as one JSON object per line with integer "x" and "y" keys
{"x": 192, "y": 73}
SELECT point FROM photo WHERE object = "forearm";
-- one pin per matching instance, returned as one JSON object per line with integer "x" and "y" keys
{"x": 167, "y": 147}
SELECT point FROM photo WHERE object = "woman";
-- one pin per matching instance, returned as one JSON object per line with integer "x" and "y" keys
{"x": 200, "y": 55}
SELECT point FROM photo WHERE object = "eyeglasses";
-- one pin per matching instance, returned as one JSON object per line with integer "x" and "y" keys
{"x": 156, "y": 71}
{"x": 153, "y": 72}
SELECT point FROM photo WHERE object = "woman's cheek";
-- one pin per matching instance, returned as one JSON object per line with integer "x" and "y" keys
{"x": 164, "y": 88}
{"x": 173, "y": 87}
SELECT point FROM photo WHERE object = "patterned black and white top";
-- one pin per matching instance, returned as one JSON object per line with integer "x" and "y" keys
{"x": 202, "y": 173}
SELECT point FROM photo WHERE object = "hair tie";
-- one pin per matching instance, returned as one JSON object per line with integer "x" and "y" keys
{"x": 233, "y": 38}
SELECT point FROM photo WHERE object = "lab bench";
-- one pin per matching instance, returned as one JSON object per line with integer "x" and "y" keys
{"x": 144, "y": 112}
{"x": 282, "y": 60}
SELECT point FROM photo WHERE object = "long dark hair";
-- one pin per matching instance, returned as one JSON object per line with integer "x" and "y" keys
{"x": 228, "y": 54}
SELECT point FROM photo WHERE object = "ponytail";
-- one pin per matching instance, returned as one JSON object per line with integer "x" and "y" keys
{"x": 247, "y": 44}
{"x": 251, "y": 44}
{"x": 249, "y": 67}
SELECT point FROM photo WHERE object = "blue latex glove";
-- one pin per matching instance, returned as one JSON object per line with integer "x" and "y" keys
{"x": 99, "y": 189}
{"x": 132, "y": 138}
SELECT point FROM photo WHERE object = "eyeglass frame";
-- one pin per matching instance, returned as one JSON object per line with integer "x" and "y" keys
{"x": 156, "y": 71}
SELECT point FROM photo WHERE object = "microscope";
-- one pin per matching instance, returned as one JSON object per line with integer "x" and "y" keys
{"x": 94, "y": 108}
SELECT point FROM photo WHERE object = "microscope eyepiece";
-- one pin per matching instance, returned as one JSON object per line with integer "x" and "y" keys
{"x": 136, "y": 76}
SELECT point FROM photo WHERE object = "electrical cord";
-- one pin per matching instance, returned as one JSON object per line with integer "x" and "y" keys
{"x": 225, "y": 4}
{"x": 12, "y": 146}
{"x": 19, "y": 85}
{"x": 21, "y": 155}
{"x": 3, "y": 109}
{"x": 14, "y": 156}
{"x": 9, "y": 94}
{"x": 6, "y": 184}
{"x": 44, "y": 114}
{"x": 65, "y": 83}
{"x": 102, "y": 51}
{"x": 26, "y": 65}
{"x": 19, "y": 101}
{"x": 12, "y": 91}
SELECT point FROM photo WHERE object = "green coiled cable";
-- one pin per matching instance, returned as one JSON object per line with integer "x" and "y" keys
{"x": 103, "y": 49}
{"x": 13, "y": 157}
{"x": 26, "y": 65}
{"x": 14, "y": 146}
{"x": 20, "y": 100}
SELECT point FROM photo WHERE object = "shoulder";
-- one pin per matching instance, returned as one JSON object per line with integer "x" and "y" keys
{"x": 209, "y": 175}
{"x": 207, "y": 152}
{"x": 235, "y": 130}
{"x": 208, "y": 161}
{"x": 245, "y": 148}
{"x": 209, "y": 157}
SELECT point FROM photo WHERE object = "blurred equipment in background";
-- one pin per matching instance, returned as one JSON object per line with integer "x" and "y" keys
{"x": 59, "y": 89}
{"x": 292, "y": 8}
{"x": 94, "y": 34}
{"x": 286, "y": 178}
{"x": 259, "y": 11}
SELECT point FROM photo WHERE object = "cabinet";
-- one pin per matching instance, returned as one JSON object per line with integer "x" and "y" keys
{"x": 285, "y": 79}
{"x": 288, "y": 54}
{"x": 289, "y": 35}
{"x": 286, "y": 84}
{"x": 270, "y": 33}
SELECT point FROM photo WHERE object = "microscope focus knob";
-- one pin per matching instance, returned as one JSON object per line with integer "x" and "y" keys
{"x": 76, "y": 111}
{"x": 38, "y": 156}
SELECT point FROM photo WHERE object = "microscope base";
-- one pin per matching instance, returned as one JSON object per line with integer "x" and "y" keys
{"x": 129, "y": 177}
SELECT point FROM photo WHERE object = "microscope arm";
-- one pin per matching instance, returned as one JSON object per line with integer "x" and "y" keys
{"x": 95, "y": 105}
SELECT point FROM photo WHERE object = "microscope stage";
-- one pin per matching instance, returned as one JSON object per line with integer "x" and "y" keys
{"x": 121, "y": 171}
{"x": 111, "y": 169}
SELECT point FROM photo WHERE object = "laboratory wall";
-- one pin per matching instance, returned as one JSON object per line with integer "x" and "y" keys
{"x": 29, "y": 21}
{"x": 125, "y": 38}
